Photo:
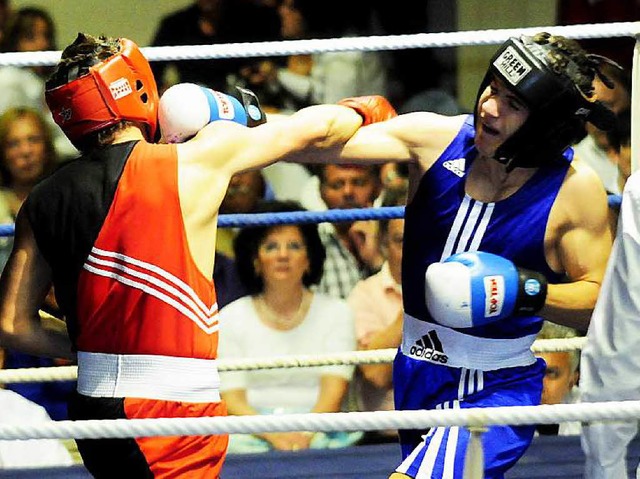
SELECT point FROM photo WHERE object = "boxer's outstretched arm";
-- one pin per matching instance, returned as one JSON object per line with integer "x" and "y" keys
{"x": 24, "y": 284}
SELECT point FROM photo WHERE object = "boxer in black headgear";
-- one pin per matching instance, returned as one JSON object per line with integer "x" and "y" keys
{"x": 557, "y": 91}
{"x": 502, "y": 230}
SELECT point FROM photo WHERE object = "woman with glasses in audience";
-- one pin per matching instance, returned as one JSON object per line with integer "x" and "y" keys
{"x": 283, "y": 316}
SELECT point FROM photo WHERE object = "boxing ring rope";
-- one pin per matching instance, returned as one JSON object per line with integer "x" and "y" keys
{"x": 377, "y": 356}
{"x": 368, "y": 43}
{"x": 475, "y": 419}
{"x": 343, "y": 421}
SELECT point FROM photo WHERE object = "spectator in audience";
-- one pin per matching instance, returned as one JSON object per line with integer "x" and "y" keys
{"x": 283, "y": 316}
{"x": 619, "y": 152}
{"x": 620, "y": 140}
{"x": 376, "y": 303}
{"x": 328, "y": 76}
{"x": 560, "y": 383}
{"x": 353, "y": 251}
{"x": 27, "y": 155}
{"x": 5, "y": 11}
{"x": 206, "y": 22}
{"x": 245, "y": 191}
{"x": 30, "y": 29}
{"x": 594, "y": 149}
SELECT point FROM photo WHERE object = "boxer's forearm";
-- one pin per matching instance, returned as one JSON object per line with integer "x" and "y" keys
{"x": 571, "y": 304}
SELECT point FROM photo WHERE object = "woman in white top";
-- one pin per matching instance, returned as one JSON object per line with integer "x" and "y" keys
{"x": 283, "y": 316}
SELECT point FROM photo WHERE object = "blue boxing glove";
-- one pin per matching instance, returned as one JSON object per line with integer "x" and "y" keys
{"x": 475, "y": 288}
{"x": 185, "y": 108}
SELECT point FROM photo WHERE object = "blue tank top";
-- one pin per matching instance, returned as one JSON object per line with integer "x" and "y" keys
{"x": 442, "y": 220}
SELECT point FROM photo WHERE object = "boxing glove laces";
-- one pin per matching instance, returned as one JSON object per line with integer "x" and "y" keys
{"x": 476, "y": 288}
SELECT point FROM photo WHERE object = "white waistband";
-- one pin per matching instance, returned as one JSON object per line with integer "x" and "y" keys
{"x": 440, "y": 345}
{"x": 165, "y": 378}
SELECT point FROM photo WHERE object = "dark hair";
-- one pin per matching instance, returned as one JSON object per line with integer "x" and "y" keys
{"x": 21, "y": 24}
{"x": 620, "y": 135}
{"x": 566, "y": 54}
{"x": 372, "y": 169}
{"x": 248, "y": 241}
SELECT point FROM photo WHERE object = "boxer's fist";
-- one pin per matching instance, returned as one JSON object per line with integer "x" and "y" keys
{"x": 186, "y": 108}
{"x": 372, "y": 108}
{"x": 476, "y": 288}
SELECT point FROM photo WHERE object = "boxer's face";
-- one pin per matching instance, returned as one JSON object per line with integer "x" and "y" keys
{"x": 500, "y": 114}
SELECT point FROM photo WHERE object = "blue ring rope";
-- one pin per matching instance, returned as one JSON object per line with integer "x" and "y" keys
{"x": 288, "y": 217}
{"x": 298, "y": 217}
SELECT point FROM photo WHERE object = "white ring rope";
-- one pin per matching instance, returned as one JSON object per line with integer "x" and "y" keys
{"x": 370, "y": 43}
{"x": 348, "y": 421}
{"x": 378, "y": 356}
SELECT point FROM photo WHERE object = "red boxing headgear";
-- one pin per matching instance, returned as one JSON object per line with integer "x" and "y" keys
{"x": 122, "y": 87}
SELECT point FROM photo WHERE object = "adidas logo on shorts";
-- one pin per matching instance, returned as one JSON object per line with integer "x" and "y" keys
{"x": 455, "y": 166}
{"x": 429, "y": 347}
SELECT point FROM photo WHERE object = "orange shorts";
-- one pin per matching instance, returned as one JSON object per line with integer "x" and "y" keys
{"x": 150, "y": 457}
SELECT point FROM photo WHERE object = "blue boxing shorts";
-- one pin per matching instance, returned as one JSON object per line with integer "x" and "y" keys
{"x": 440, "y": 452}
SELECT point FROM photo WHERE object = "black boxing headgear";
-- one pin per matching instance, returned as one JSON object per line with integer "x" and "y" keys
{"x": 557, "y": 108}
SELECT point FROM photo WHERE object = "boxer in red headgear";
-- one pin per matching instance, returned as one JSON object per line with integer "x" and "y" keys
{"x": 126, "y": 234}
{"x": 96, "y": 94}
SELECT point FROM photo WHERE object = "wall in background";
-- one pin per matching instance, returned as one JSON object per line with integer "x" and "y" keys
{"x": 134, "y": 19}
{"x": 138, "y": 20}
{"x": 483, "y": 15}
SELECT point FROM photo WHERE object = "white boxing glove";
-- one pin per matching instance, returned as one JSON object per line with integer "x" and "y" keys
{"x": 185, "y": 108}
{"x": 476, "y": 288}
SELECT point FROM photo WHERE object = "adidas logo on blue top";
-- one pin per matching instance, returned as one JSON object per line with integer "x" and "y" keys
{"x": 429, "y": 347}
{"x": 455, "y": 166}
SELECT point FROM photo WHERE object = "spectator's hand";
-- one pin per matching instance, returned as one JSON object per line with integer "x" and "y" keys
{"x": 364, "y": 237}
{"x": 289, "y": 441}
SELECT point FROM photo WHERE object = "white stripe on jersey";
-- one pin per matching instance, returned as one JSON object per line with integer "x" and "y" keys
{"x": 460, "y": 236}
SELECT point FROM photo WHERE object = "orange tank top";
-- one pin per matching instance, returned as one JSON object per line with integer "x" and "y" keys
{"x": 140, "y": 291}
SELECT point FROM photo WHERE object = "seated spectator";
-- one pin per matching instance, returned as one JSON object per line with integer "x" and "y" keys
{"x": 27, "y": 155}
{"x": 30, "y": 29}
{"x": 619, "y": 139}
{"x": 245, "y": 191}
{"x": 376, "y": 303}
{"x": 227, "y": 281}
{"x": 325, "y": 77}
{"x": 353, "y": 252}
{"x": 560, "y": 383}
{"x": 206, "y": 22}
{"x": 281, "y": 317}
{"x": 594, "y": 148}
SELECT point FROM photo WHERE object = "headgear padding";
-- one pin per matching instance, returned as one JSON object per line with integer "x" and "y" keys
{"x": 558, "y": 110}
{"x": 93, "y": 95}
